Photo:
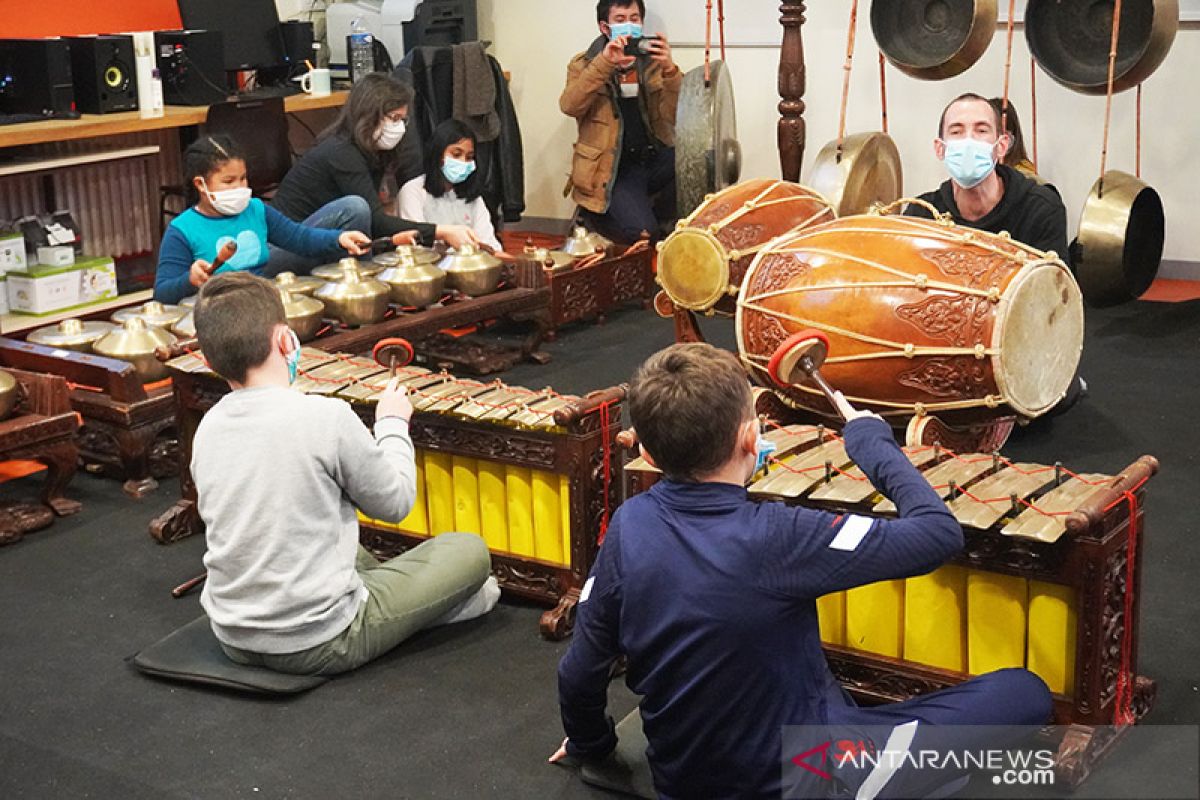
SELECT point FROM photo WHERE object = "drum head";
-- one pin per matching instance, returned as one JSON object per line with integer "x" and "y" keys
{"x": 933, "y": 39}
{"x": 1071, "y": 39}
{"x": 693, "y": 269}
{"x": 1040, "y": 338}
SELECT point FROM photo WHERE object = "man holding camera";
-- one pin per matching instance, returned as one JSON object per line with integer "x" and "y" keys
{"x": 622, "y": 93}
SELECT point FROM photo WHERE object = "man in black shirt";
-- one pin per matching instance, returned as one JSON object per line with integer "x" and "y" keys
{"x": 984, "y": 193}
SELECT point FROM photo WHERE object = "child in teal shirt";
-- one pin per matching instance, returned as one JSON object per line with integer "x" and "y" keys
{"x": 225, "y": 211}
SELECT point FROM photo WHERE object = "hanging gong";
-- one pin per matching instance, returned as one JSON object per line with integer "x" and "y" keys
{"x": 1071, "y": 40}
{"x": 867, "y": 173}
{"x": 1120, "y": 240}
{"x": 707, "y": 155}
{"x": 933, "y": 39}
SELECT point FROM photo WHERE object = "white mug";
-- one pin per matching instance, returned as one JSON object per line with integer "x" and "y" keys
{"x": 315, "y": 82}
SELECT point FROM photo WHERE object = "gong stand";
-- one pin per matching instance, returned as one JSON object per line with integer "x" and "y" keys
{"x": 1112, "y": 67}
{"x": 1012, "y": 7}
{"x": 846, "y": 68}
{"x": 792, "y": 75}
{"x": 791, "y": 132}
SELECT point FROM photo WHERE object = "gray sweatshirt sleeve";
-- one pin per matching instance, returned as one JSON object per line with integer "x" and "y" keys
{"x": 378, "y": 474}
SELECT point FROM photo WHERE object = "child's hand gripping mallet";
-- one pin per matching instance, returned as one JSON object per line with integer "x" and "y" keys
{"x": 799, "y": 359}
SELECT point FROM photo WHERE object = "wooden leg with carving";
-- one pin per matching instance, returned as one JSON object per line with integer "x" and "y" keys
{"x": 983, "y": 437}
{"x": 177, "y": 522}
{"x": 687, "y": 329}
{"x": 134, "y": 446}
{"x": 18, "y": 519}
{"x": 1083, "y": 747}
{"x": 791, "y": 129}
{"x": 61, "y": 460}
{"x": 531, "y": 348}
{"x": 558, "y": 622}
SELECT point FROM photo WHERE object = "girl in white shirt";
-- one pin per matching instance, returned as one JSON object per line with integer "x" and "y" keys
{"x": 449, "y": 191}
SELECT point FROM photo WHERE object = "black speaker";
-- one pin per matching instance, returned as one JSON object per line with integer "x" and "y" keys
{"x": 192, "y": 67}
{"x": 297, "y": 44}
{"x": 35, "y": 78}
{"x": 105, "y": 79}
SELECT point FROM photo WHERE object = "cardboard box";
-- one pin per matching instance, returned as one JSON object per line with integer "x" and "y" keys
{"x": 98, "y": 279}
{"x": 56, "y": 256}
{"x": 12, "y": 252}
{"x": 45, "y": 291}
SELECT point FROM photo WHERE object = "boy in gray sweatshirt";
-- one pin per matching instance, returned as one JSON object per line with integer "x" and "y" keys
{"x": 279, "y": 475}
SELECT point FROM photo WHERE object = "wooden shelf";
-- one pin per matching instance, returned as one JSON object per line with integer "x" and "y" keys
{"x": 17, "y": 323}
{"x": 93, "y": 125}
{"x": 26, "y": 166}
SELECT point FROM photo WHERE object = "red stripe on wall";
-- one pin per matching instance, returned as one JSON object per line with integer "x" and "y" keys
{"x": 71, "y": 17}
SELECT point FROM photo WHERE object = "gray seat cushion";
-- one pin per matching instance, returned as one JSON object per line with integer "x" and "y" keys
{"x": 192, "y": 655}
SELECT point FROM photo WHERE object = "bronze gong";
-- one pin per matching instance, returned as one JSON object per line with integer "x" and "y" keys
{"x": 1120, "y": 242}
{"x": 1071, "y": 40}
{"x": 867, "y": 174}
{"x": 933, "y": 39}
{"x": 708, "y": 157}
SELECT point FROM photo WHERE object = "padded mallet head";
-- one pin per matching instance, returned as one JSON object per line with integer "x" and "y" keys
{"x": 392, "y": 353}
{"x": 800, "y": 355}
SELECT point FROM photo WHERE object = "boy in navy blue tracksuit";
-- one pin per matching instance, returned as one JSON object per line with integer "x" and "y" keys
{"x": 712, "y": 597}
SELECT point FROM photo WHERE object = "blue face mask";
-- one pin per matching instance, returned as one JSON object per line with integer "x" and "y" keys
{"x": 765, "y": 448}
{"x": 630, "y": 29}
{"x": 969, "y": 161}
{"x": 457, "y": 171}
{"x": 293, "y": 358}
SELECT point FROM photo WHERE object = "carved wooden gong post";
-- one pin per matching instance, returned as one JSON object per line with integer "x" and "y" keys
{"x": 791, "y": 88}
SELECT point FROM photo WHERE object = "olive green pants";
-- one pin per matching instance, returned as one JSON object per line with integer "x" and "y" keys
{"x": 404, "y": 595}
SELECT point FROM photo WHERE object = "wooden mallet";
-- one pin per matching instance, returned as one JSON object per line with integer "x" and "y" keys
{"x": 799, "y": 359}
{"x": 227, "y": 251}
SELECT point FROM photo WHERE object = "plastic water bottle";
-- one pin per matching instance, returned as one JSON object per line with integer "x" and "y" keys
{"x": 360, "y": 45}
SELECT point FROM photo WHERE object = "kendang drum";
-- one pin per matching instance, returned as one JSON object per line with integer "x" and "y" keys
{"x": 701, "y": 264}
{"x": 923, "y": 318}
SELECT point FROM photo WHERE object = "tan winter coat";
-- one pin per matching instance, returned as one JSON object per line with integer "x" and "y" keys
{"x": 590, "y": 97}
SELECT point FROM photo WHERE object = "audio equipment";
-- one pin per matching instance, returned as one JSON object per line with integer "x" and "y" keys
{"x": 103, "y": 72}
{"x": 35, "y": 78}
{"x": 297, "y": 45}
{"x": 192, "y": 66}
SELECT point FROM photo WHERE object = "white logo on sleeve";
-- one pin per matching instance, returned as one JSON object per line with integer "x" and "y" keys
{"x": 587, "y": 589}
{"x": 854, "y": 529}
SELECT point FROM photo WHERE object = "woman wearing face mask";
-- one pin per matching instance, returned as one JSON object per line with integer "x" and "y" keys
{"x": 224, "y": 211}
{"x": 448, "y": 192}
{"x": 352, "y": 157}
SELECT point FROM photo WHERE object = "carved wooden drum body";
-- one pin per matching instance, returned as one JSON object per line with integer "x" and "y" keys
{"x": 701, "y": 264}
{"x": 922, "y": 317}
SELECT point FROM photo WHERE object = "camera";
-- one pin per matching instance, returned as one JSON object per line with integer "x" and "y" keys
{"x": 640, "y": 46}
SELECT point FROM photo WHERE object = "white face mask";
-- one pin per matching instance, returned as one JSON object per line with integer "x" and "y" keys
{"x": 389, "y": 134}
{"x": 229, "y": 202}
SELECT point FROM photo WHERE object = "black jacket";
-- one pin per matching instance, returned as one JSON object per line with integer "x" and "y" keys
{"x": 500, "y": 163}
{"x": 1032, "y": 213}
{"x": 337, "y": 168}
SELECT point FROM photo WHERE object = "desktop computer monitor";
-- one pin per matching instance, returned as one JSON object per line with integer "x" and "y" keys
{"x": 253, "y": 39}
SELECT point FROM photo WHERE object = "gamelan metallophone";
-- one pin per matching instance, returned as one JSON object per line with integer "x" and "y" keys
{"x": 1049, "y": 580}
{"x": 526, "y": 470}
